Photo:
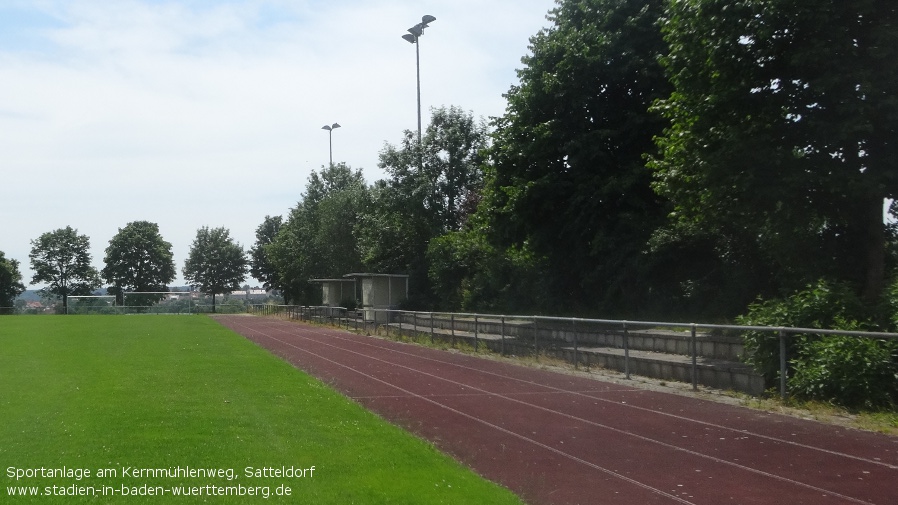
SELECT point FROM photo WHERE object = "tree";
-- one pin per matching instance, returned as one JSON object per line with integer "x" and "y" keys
{"x": 62, "y": 259}
{"x": 317, "y": 238}
{"x": 139, "y": 259}
{"x": 782, "y": 135}
{"x": 424, "y": 196}
{"x": 10, "y": 281}
{"x": 445, "y": 182}
{"x": 215, "y": 263}
{"x": 261, "y": 266}
{"x": 568, "y": 180}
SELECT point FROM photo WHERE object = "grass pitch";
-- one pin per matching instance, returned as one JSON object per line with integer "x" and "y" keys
{"x": 177, "y": 409}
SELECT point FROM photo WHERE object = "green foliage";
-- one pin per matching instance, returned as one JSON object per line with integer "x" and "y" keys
{"x": 849, "y": 371}
{"x": 61, "y": 258}
{"x": 780, "y": 137}
{"x": 822, "y": 305}
{"x": 569, "y": 181}
{"x": 138, "y": 259}
{"x": 215, "y": 264}
{"x": 261, "y": 266}
{"x": 468, "y": 273}
{"x": 317, "y": 239}
{"x": 10, "y": 281}
{"x": 432, "y": 189}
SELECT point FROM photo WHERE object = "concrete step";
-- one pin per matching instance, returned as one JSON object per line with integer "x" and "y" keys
{"x": 658, "y": 340}
{"x": 726, "y": 374}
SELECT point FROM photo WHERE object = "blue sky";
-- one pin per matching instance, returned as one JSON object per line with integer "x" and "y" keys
{"x": 209, "y": 113}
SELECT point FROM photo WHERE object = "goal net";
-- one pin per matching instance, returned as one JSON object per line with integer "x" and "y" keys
{"x": 91, "y": 304}
{"x": 158, "y": 302}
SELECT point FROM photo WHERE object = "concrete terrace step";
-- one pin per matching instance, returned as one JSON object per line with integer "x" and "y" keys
{"x": 666, "y": 358}
{"x": 659, "y": 340}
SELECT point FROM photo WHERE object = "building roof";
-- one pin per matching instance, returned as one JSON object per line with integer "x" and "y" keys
{"x": 375, "y": 275}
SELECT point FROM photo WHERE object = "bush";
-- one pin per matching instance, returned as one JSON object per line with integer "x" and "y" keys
{"x": 849, "y": 371}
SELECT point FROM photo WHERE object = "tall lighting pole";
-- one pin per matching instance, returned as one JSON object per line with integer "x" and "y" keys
{"x": 330, "y": 139}
{"x": 414, "y": 33}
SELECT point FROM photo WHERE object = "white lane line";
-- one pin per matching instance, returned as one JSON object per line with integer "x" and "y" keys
{"x": 636, "y": 407}
{"x": 586, "y": 421}
{"x": 481, "y": 421}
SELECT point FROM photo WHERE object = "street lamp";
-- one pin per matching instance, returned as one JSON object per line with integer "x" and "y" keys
{"x": 414, "y": 33}
{"x": 330, "y": 139}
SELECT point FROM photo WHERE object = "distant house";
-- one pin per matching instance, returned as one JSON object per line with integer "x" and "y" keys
{"x": 251, "y": 294}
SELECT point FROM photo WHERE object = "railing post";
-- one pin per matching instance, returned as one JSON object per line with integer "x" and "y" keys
{"x": 431, "y": 327}
{"x": 452, "y": 324}
{"x": 783, "y": 362}
{"x": 694, "y": 360}
{"x": 576, "y": 358}
{"x": 626, "y": 351}
{"x": 535, "y": 338}
{"x": 502, "y": 332}
{"x": 476, "y": 331}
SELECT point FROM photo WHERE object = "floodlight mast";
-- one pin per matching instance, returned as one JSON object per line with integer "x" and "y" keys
{"x": 330, "y": 140}
{"x": 414, "y": 33}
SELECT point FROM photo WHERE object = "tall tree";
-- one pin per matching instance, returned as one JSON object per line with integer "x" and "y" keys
{"x": 569, "y": 180}
{"x": 139, "y": 259}
{"x": 317, "y": 238}
{"x": 62, "y": 259}
{"x": 424, "y": 197}
{"x": 783, "y": 132}
{"x": 10, "y": 281}
{"x": 215, "y": 264}
{"x": 261, "y": 266}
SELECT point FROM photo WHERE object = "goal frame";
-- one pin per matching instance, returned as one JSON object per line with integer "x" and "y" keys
{"x": 72, "y": 300}
{"x": 163, "y": 295}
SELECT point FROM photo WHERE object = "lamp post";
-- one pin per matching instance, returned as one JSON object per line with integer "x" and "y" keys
{"x": 414, "y": 33}
{"x": 330, "y": 139}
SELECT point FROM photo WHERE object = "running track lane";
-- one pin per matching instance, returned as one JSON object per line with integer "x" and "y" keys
{"x": 559, "y": 439}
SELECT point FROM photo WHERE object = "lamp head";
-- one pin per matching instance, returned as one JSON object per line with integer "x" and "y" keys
{"x": 427, "y": 19}
{"x": 411, "y": 38}
{"x": 416, "y": 30}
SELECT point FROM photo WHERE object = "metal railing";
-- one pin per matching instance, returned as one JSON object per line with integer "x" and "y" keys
{"x": 557, "y": 335}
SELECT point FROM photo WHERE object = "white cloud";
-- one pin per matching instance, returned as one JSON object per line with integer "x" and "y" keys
{"x": 192, "y": 113}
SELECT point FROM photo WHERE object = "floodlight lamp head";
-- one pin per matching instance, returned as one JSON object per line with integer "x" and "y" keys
{"x": 416, "y": 30}
{"x": 335, "y": 126}
{"x": 326, "y": 127}
{"x": 411, "y": 38}
{"x": 427, "y": 19}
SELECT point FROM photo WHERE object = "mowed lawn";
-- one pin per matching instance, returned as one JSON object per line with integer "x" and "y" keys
{"x": 179, "y": 404}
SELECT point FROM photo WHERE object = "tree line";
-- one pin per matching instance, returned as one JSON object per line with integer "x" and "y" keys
{"x": 657, "y": 158}
{"x": 137, "y": 259}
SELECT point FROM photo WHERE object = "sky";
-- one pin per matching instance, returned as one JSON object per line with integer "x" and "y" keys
{"x": 192, "y": 113}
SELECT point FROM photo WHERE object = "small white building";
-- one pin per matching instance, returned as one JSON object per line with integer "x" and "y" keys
{"x": 380, "y": 291}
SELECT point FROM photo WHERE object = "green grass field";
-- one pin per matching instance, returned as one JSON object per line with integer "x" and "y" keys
{"x": 131, "y": 395}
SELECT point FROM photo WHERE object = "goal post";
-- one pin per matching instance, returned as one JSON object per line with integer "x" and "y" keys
{"x": 158, "y": 302}
{"x": 90, "y": 304}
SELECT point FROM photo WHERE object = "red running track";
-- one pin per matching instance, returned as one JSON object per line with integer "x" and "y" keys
{"x": 560, "y": 439}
